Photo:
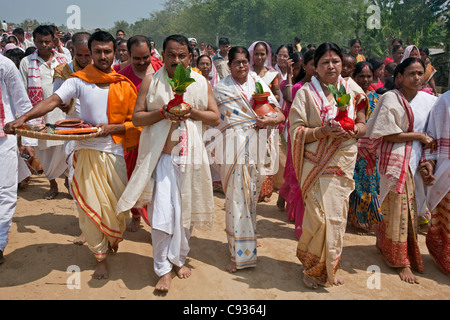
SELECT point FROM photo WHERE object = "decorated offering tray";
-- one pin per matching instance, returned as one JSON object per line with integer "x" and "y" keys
{"x": 68, "y": 129}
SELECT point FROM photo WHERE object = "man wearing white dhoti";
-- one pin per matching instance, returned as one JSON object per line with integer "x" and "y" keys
{"x": 178, "y": 193}
{"x": 37, "y": 72}
{"x": 13, "y": 101}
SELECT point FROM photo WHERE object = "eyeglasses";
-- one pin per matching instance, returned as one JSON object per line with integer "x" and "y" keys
{"x": 236, "y": 63}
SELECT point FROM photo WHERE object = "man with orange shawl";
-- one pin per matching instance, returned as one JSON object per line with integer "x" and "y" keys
{"x": 107, "y": 101}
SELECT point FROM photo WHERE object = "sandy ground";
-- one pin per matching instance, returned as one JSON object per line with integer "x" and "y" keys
{"x": 40, "y": 252}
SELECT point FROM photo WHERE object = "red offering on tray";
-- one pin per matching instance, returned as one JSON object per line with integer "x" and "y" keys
{"x": 77, "y": 130}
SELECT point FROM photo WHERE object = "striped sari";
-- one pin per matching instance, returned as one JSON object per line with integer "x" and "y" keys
{"x": 242, "y": 171}
{"x": 397, "y": 233}
{"x": 438, "y": 195}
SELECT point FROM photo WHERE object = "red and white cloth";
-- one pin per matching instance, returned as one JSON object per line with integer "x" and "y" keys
{"x": 35, "y": 92}
{"x": 393, "y": 115}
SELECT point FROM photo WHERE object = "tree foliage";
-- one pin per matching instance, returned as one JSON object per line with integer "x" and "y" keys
{"x": 420, "y": 22}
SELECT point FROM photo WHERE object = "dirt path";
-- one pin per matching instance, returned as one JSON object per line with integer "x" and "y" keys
{"x": 40, "y": 251}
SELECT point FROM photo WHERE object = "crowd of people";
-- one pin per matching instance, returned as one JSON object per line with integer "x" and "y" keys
{"x": 387, "y": 173}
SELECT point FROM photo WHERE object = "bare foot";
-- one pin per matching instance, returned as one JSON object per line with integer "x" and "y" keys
{"x": 309, "y": 282}
{"x": 258, "y": 244}
{"x": 424, "y": 228}
{"x": 338, "y": 281}
{"x": 53, "y": 192}
{"x": 164, "y": 282}
{"x": 281, "y": 203}
{"x": 111, "y": 249}
{"x": 134, "y": 224}
{"x": 80, "y": 240}
{"x": 183, "y": 272}
{"x": 231, "y": 267}
{"x": 407, "y": 275}
{"x": 101, "y": 272}
{"x": 66, "y": 184}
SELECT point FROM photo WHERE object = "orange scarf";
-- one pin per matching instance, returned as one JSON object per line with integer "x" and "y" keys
{"x": 121, "y": 99}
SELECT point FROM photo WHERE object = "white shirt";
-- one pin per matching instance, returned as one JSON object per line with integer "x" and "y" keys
{"x": 15, "y": 103}
{"x": 47, "y": 72}
{"x": 27, "y": 44}
{"x": 93, "y": 110}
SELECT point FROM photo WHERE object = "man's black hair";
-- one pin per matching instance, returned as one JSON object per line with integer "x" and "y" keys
{"x": 101, "y": 36}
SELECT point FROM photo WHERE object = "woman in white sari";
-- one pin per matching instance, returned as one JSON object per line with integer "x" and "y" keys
{"x": 241, "y": 170}
{"x": 438, "y": 193}
{"x": 324, "y": 157}
{"x": 396, "y": 131}
{"x": 260, "y": 64}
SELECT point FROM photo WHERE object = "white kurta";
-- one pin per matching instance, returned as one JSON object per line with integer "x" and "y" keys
{"x": 16, "y": 103}
{"x": 50, "y": 153}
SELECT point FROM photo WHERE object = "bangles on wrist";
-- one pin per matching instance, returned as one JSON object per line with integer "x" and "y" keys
{"x": 314, "y": 133}
{"x": 161, "y": 111}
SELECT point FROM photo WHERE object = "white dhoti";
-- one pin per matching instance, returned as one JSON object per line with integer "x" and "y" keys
{"x": 53, "y": 161}
{"x": 23, "y": 170}
{"x": 169, "y": 238}
{"x": 8, "y": 186}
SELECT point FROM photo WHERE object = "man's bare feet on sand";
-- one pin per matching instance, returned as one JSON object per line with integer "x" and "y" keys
{"x": 407, "y": 275}
{"x": 183, "y": 272}
{"x": 134, "y": 224}
{"x": 164, "y": 282}
{"x": 51, "y": 194}
{"x": 101, "y": 272}
{"x": 231, "y": 267}
{"x": 309, "y": 282}
{"x": 338, "y": 281}
{"x": 80, "y": 240}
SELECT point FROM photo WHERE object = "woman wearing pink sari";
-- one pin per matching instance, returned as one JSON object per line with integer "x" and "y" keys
{"x": 290, "y": 190}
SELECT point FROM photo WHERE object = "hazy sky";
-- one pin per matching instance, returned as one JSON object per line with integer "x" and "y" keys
{"x": 94, "y": 13}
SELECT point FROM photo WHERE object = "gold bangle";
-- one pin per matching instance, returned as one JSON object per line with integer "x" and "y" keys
{"x": 314, "y": 133}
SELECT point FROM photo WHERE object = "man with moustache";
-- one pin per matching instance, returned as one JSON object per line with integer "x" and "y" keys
{"x": 37, "y": 72}
{"x": 176, "y": 193}
{"x": 142, "y": 61}
{"x": 106, "y": 101}
{"x": 142, "y": 64}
